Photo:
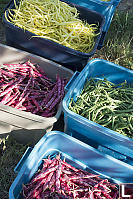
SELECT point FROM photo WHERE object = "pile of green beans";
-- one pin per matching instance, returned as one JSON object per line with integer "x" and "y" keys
{"x": 106, "y": 103}
{"x": 56, "y": 21}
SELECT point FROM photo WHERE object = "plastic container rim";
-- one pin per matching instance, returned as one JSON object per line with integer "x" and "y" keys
{"x": 104, "y": 2}
{"x": 42, "y": 140}
{"x": 81, "y": 118}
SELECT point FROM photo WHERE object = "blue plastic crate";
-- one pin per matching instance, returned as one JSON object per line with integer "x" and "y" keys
{"x": 76, "y": 153}
{"x": 88, "y": 131}
{"x": 107, "y": 9}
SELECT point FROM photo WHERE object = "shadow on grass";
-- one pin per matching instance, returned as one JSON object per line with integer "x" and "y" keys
{"x": 10, "y": 154}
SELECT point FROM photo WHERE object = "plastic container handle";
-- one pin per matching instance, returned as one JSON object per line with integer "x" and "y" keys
{"x": 116, "y": 155}
{"x": 112, "y": 153}
{"x": 22, "y": 160}
{"x": 71, "y": 81}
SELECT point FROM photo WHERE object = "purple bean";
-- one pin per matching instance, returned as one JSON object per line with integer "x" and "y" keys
{"x": 43, "y": 175}
{"x": 21, "y": 101}
{"x": 6, "y": 98}
{"x": 9, "y": 74}
{"x": 27, "y": 86}
{"x": 51, "y": 114}
{"x": 58, "y": 175}
{"x": 38, "y": 107}
{"x": 45, "y": 101}
{"x": 12, "y": 99}
{"x": 12, "y": 87}
{"x": 59, "y": 85}
{"x": 51, "y": 100}
{"x": 30, "y": 78}
{"x": 54, "y": 103}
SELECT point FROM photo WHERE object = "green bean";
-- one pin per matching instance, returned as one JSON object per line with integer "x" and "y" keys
{"x": 107, "y": 104}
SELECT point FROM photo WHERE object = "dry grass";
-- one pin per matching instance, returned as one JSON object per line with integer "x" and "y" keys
{"x": 118, "y": 46}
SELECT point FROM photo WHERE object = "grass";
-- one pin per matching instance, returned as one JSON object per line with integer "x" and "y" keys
{"x": 118, "y": 48}
{"x": 3, "y": 4}
{"x": 10, "y": 154}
